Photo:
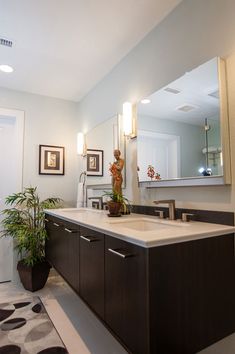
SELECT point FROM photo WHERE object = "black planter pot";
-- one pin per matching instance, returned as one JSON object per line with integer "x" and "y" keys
{"x": 33, "y": 278}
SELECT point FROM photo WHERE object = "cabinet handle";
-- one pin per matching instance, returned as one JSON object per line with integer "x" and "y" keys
{"x": 70, "y": 231}
{"x": 46, "y": 220}
{"x": 119, "y": 253}
{"x": 55, "y": 224}
{"x": 88, "y": 239}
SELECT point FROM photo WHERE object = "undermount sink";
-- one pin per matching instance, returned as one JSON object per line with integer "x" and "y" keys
{"x": 145, "y": 224}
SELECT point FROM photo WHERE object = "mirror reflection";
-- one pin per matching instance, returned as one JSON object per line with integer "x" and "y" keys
{"x": 179, "y": 133}
{"x": 106, "y": 138}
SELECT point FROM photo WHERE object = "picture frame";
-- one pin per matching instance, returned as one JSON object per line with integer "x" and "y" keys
{"x": 95, "y": 162}
{"x": 51, "y": 160}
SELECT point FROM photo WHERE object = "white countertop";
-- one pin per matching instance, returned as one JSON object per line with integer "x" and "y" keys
{"x": 128, "y": 227}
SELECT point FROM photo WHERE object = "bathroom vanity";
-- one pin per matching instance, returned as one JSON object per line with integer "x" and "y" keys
{"x": 159, "y": 286}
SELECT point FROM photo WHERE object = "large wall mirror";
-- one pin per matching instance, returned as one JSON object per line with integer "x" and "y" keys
{"x": 182, "y": 136}
{"x": 106, "y": 137}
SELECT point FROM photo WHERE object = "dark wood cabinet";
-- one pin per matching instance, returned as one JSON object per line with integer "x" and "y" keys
{"x": 92, "y": 269}
{"x": 192, "y": 294}
{"x": 126, "y": 293}
{"x": 54, "y": 233}
{"x": 62, "y": 249}
{"x": 70, "y": 244}
{"x": 172, "y": 299}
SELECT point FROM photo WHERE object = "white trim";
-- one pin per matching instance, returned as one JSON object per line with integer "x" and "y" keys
{"x": 185, "y": 182}
{"x": 19, "y": 116}
{"x": 19, "y": 140}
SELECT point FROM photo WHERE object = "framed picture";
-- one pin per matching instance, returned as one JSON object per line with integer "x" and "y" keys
{"x": 95, "y": 162}
{"x": 51, "y": 160}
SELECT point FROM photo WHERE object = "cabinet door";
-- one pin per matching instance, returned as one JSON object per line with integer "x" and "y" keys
{"x": 70, "y": 254}
{"x": 62, "y": 249}
{"x": 92, "y": 269}
{"x": 54, "y": 231}
{"x": 126, "y": 293}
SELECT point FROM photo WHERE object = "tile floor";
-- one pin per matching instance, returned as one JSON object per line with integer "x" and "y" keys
{"x": 80, "y": 330}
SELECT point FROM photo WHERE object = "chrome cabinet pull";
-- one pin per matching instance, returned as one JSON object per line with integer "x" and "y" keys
{"x": 89, "y": 239}
{"x": 119, "y": 253}
{"x": 70, "y": 231}
{"x": 55, "y": 224}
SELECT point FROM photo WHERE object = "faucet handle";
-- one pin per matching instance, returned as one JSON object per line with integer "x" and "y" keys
{"x": 160, "y": 213}
{"x": 186, "y": 217}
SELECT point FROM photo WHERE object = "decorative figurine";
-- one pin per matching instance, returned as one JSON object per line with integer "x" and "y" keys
{"x": 116, "y": 172}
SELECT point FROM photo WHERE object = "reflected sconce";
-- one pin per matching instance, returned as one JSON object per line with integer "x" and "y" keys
{"x": 128, "y": 120}
{"x": 81, "y": 146}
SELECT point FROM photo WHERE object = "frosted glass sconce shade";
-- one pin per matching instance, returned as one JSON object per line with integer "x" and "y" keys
{"x": 127, "y": 118}
{"x": 80, "y": 143}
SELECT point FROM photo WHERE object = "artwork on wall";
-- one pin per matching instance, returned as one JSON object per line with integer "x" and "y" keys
{"x": 95, "y": 162}
{"x": 51, "y": 160}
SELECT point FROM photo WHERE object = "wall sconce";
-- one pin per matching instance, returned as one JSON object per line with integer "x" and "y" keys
{"x": 128, "y": 120}
{"x": 81, "y": 146}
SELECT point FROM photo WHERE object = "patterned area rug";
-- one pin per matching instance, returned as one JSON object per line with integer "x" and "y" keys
{"x": 25, "y": 328}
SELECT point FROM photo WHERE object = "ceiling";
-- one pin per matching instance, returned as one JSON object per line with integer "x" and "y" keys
{"x": 194, "y": 90}
{"x": 63, "y": 48}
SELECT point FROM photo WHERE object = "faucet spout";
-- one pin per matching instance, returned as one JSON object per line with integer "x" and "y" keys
{"x": 171, "y": 205}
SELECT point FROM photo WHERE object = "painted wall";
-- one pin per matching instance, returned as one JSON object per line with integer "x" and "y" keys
{"x": 48, "y": 121}
{"x": 193, "y": 33}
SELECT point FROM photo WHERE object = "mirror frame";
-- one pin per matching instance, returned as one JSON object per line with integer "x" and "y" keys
{"x": 121, "y": 140}
{"x": 224, "y": 179}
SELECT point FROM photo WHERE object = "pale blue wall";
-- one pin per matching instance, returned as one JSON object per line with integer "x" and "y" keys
{"x": 196, "y": 31}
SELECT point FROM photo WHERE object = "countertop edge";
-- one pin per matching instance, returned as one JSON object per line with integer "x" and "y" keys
{"x": 224, "y": 230}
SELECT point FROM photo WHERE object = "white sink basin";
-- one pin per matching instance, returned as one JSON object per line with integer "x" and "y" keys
{"x": 145, "y": 224}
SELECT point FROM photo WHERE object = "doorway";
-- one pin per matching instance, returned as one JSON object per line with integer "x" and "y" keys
{"x": 11, "y": 170}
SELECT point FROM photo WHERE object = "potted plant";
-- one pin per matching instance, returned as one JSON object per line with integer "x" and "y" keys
{"x": 117, "y": 203}
{"x": 24, "y": 221}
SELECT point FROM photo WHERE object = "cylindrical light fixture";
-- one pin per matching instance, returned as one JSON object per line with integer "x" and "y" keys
{"x": 127, "y": 118}
{"x": 80, "y": 143}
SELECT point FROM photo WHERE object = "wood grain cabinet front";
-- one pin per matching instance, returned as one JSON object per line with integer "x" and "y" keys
{"x": 92, "y": 269}
{"x": 172, "y": 299}
{"x": 126, "y": 293}
{"x": 62, "y": 249}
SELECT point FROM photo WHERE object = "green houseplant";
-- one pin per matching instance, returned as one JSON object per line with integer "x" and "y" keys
{"x": 117, "y": 204}
{"x": 24, "y": 221}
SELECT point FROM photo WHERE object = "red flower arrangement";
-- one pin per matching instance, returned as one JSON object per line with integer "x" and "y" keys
{"x": 152, "y": 174}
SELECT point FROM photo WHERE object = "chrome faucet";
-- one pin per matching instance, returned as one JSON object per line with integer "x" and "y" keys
{"x": 171, "y": 204}
{"x": 100, "y": 202}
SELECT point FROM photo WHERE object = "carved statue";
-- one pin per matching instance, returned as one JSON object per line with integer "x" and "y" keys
{"x": 116, "y": 172}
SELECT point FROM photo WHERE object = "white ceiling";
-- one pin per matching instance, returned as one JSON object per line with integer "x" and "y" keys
{"x": 63, "y": 48}
{"x": 194, "y": 87}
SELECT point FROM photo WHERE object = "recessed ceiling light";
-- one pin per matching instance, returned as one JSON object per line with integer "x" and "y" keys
{"x": 6, "y": 68}
{"x": 145, "y": 101}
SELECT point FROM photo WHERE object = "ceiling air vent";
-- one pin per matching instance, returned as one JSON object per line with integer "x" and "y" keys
{"x": 186, "y": 108}
{"x": 214, "y": 94}
{"x": 172, "y": 90}
{"x": 6, "y": 42}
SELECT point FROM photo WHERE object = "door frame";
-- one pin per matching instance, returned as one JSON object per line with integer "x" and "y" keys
{"x": 19, "y": 116}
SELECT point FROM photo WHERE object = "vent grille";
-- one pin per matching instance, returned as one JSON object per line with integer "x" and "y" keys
{"x": 172, "y": 90}
{"x": 186, "y": 108}
{"x": 6, "y": 42}
{"x": 214, "y": 94}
